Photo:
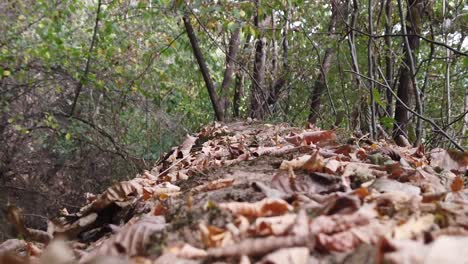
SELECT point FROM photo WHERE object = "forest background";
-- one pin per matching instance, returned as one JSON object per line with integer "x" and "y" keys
{"x": 94, "y": 91}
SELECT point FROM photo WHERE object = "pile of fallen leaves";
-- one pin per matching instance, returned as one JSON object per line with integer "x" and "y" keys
{"x": 259, "y": 193}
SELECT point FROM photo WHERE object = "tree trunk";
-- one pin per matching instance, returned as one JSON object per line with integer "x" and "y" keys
{"x": 238, "y": 93}
{"x": 389, "y": 58}
{"x": 320, "y": 85}
{"x": 407, "y": 82}
{"x": 258, "y": 97}
{"x": 230, "y": 65}
{"x": 204, "y": 69}
{"x": 280, "y": 77}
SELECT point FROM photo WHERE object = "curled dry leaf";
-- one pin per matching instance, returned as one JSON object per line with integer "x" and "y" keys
{"x": 188, "y": 251}
{"x": 457, "y": 184}
{"x": 265, "y": 207}
{"x": 387, "y": 185}
{"x": 260, "y": 246}
{"x": 57, "y": 252}
{"x": 119, "y": 192}
{"x": 445, "y": 249}
{"x": 131, "y": 240}
{"x": 296, "y": 255}
{"x": 213, "y": 236}
{"x": 12, "y": 245}
{"x": 449, "y": 159}
{"x": 413, "y": 227}
{"x": 214, "y": 185}
{"x": 276, "y": 225}
{"x": 311, "y": 137}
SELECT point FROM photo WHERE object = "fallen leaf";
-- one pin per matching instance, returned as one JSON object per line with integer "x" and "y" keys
{"x": 213, "y": 185}
{"x": 275, "y": 225}
{"x": 295, "y": 255}
{"x": 457, "y": 184}
{"x": 449, "y": 160}
{"x": 265, "y": 207}
{"x": 414, "y": 227}
{"x": 188, "y": 251}
{"x": 213, "y": 236}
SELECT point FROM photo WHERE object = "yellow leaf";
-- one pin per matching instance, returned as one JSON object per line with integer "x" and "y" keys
{"x": 6, "y": 73}
{"x": 68, "y": 136}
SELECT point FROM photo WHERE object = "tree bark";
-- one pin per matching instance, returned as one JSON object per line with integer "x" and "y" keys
{"x": 320, "y": 85}
{"x": 370, "y": 62}
{"x": 204, "y": 69}
{"x": 407, "y": 82}
{"x": 230, "y": 65}
{"x": 238, "y": 93}
{"x": 389, "y": 57}
{"x": 258, "y": 98}
{"x": 257, "y": 101}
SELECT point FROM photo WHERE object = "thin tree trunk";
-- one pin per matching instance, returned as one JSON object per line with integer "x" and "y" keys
{"x": 238, "y": 94}
{"x": 407, "y": 82}
{"x": 320, "y": 84}
{"x": 204, "y": 69}
{"x": 370, "y": 62}
{"x": 258, "y": 99}
{"x": 239, "y": 84}
{"x": 280, "y": 77}
{"x": 351, "y": 42}
{"x": 389, "y": 57}
{"x": 258, "y": 93}
{"x": 447, "y": 65}
{"x": 230, "y": 65}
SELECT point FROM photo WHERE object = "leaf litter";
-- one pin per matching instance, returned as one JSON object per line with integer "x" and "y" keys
{"x": 248, "y": 192}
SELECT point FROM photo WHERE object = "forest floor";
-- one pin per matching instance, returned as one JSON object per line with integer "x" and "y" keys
{"x": 249, "y": 192}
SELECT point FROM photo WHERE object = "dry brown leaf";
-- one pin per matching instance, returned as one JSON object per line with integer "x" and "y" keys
{"x": 413, "y": 227}
{"x": 449, "y": 160}
{"x": 260, "y": 246}
{"x": 457, "y": 184}
{"x": 265, "y": 207}
{"x": 119, "y": 192}
{"x": 314, "y": 164}
{"x": 337, "y": 223}
{"x": 213, "y": 236}
{"x": 12, "y": 245}
{"x": 188, "y": 251}
{"x": 296, "y": 255}
{"x": 131, "y": 240}
{"x": 332, "y": 166}
{"x": 276, "y": 225}
{"x": 445, "y": 249}
{"x": 57, "y": 252}
{"x": 296, "y": 163}
{"x": 312, "y": 137}
{"x": 214, "y": 185}
{"x": 387, "y": 185}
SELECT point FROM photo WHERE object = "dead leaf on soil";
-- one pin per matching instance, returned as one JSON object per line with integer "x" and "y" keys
{"x": 311, "y": 137}
{"x": 213, "y": 236}
{"x": 131, "y": 240}
{"x": 275, "y": 225}
{"x": 213, "y": 185}
{"x": 452, "y": 160}
{"x": 296, "y": 255}
{"x": 265, "y": 207}
{"x": 188, "y": 251}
